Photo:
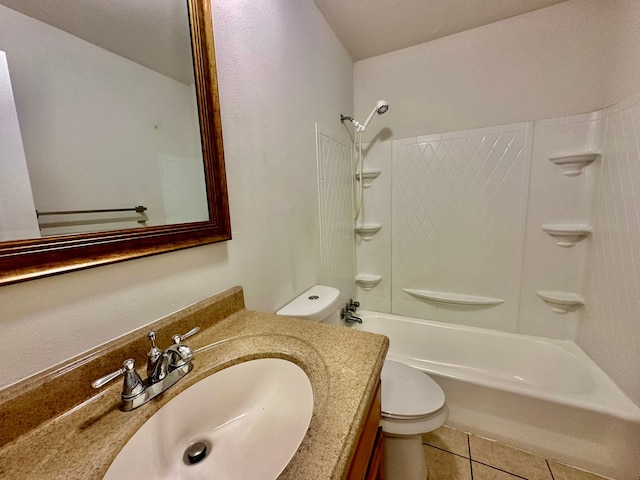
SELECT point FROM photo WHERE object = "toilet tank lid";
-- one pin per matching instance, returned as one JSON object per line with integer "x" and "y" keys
{"x": 316, "y": 304}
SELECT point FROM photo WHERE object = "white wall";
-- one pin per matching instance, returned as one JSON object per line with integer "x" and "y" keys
{"x": 94, "y": 124}
{"x": 622, "y": 72}
{"x": 281, "y": 69}
{"x": 546, "y": 63}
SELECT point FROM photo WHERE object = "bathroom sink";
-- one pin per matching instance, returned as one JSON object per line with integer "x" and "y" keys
{"x": 250, "y": 417}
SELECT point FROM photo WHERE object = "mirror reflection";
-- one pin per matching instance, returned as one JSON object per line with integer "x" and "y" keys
{"x": 98, "y": 116}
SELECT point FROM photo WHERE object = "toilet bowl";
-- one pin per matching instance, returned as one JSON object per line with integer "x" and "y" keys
{"x": 412, "y": 403}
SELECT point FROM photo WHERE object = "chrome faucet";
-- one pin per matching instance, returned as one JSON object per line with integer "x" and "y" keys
{"x": 174, "y": 357}
{"x": 164, "y": 369}
{"x": 348, "y": 312}
{"x": 349, "y": 317}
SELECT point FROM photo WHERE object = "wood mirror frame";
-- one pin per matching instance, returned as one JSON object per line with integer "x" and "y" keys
{"x": 22, "y": 260}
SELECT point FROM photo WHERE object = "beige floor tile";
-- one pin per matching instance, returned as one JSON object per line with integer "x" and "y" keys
{"x": 448, "y": 439}
{"x": 509, "y": 459}
{"x": 446, "y": 466}
{"x": 563, "y": 472}
{"x": 483, "y": 472}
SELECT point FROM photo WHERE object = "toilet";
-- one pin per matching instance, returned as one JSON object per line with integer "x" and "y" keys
{"x": 412, "y": 402}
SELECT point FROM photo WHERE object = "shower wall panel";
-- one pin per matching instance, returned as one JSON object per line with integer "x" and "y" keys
{"x": 609, "y": 332}
{"x": 458, "y": 210}
{"x": 335, "y": 199}
{"x": 557, "y": 199}
{"x": 374, "y": 255}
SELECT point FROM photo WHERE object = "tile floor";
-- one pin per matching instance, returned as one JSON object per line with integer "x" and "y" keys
{"x": 455, "y": 455}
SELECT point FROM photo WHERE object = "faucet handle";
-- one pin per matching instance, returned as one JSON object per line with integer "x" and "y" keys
{"x": 154, "y": 353}
{"x": 352, "y": 306}
{"x": 102, "y": 381}
{"x": 133, "y": 384}
{"x": 179, "y": 338}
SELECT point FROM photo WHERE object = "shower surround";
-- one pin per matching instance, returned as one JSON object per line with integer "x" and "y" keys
{"x": 463, "y": 215}
{"x": 459, "y": 221}
{"x": 479, "y": 229}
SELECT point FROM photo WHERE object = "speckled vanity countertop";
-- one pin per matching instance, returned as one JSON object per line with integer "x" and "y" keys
{"x": 53, "y": 426}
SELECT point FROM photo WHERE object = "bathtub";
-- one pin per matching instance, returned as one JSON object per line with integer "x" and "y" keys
{"x": 543, "y": 395}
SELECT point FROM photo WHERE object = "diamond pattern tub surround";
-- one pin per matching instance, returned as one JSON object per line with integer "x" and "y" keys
{"x": 612, "y": 291}
{"x": 458, "y": 209}
{"x": 556, "y": 200}
{"x": 453, "y": 225}
{"x": 335, "y": 199}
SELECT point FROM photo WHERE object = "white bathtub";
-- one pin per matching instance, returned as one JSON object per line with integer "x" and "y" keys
{"x": 542, "y": 395}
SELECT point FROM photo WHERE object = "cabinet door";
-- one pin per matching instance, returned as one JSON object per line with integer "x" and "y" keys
{"x": 362, "y": 465}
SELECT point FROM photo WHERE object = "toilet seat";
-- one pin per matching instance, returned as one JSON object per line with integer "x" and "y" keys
{"x": 409, "y": 394}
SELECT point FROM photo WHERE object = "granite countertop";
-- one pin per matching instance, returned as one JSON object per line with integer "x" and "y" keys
{"x": 80, "y": 441}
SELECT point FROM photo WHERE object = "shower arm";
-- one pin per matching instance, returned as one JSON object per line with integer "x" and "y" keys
{"x": 359, "y": 128}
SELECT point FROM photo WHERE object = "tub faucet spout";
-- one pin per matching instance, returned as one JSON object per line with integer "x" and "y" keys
{"x": 349, "y": 317}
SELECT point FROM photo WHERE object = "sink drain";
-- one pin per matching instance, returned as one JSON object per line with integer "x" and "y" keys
{"x": 196, "y": 452}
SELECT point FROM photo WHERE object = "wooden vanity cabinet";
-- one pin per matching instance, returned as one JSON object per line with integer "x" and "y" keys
{"x": 366, "y": 461}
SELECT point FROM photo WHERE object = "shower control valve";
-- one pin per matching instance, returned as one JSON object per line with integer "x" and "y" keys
{"x": 352, "y": 306}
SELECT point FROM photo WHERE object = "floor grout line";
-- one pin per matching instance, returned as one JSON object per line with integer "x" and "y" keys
{"x": 443, "y": 450}
{"x": 550, "y": 471}
{"x": 470, "y": 459}
{"x": 499, "y": 469}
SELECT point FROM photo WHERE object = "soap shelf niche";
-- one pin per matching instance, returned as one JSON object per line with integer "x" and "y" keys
{"x": 454, "y": 298}
{"x": 368, "y": 282}
{"x": 368, "y": 230}
{"x": 573, "y": 165}
{"x": 567, "y": 235}
{"x": 561, "y": 302}
{"x": 368, "y": 176}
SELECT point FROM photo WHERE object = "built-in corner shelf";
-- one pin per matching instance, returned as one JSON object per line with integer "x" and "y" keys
{"x": 368, "y": 282}
{"x": 561, "y": 302}
{"x": 453, "y": 298}
{"x": 567, "y": 235}
{"x": 368, "y": 176}
{"x": 573, "y": 165}
{"x": 368, "y": 230}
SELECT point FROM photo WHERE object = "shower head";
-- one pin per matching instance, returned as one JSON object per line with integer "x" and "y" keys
{"x": 380, "y": 108}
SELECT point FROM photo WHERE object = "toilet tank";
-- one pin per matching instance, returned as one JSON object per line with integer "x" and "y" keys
{"x": 319, "y": 303}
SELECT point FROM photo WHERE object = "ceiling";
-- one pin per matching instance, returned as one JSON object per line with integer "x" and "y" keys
{"x": 373, "y": 27}
{"x": 153, "y": 33}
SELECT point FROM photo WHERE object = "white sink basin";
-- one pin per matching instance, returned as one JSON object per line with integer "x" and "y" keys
{"x": 252, "y": 417}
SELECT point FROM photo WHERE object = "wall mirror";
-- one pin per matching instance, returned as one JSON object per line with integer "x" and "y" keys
{"x": 110, "y": 133}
